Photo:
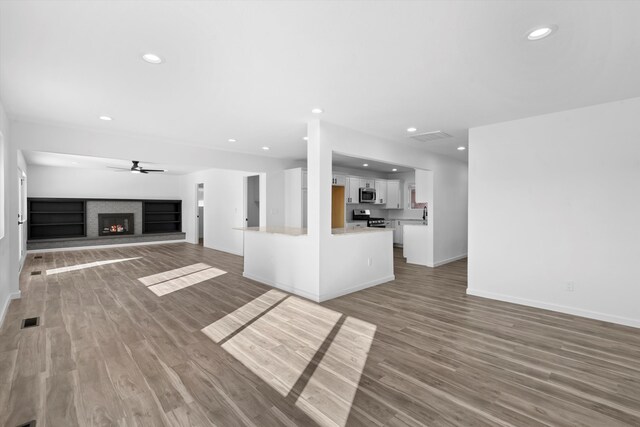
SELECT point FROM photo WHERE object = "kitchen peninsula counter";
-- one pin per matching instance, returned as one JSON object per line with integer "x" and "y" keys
{"x": 288, "y": 231}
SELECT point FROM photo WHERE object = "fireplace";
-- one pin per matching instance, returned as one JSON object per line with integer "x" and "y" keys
{"x": 115, "y": 224}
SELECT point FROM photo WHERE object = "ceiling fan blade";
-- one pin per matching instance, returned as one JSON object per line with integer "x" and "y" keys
{"x": 122, "y": 169}
{"x": 152, "y": 170}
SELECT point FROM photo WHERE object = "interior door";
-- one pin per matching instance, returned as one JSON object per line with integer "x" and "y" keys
{"x": 22, "y": 215}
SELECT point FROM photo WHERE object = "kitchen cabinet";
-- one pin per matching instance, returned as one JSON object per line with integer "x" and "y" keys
{"x": 417, "y": 243}
{"x": 381, "y": 191}
{"x": 397, "y": 232}
{"x": 352, "y": 189}
{"x": 367, "y": 182}
{"x": 394, "y": 194}
{"x": 339, "y": 180}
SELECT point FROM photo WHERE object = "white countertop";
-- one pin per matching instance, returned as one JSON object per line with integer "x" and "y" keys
{"x": 292, "y": 231}
{"x": 356, "y": 230}
{"x": 289, "y": 231}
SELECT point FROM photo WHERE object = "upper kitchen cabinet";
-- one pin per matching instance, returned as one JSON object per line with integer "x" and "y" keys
{"x": 352, "y": 187}
{"x": 381, "y": 191}
{"x": 339, "y": 180}
{"x": 394, "y": 195}
{"x": 367, "y": 182}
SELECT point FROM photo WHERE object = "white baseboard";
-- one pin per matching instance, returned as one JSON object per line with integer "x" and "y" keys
{"x": 556, "y": 307}
{"x": 323, "y": 297}
{"x": 5, "y": 306}
{"x": 286, "y": 288}
{"x": 227, "y": 250}
{"x": 447, "y": 261}
{"x": 332, "y": 295}
{"x": 118, "y": 245}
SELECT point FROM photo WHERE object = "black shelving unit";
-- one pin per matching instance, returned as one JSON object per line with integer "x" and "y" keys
{"x": 56, "y": 218}
{"x": 161, "y": 216}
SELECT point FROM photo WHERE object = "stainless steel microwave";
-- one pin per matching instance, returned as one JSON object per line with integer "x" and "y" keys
{"x": 367, "y": 195}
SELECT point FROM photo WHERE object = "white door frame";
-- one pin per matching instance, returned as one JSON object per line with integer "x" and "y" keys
{"x": 196, "y": 216}
{"x": 22, "y": 217}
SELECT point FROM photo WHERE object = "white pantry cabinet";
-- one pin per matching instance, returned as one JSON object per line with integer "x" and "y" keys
{"x": 381, "y": 191}
{"x": 394, "y": 194}
{"x": 352, "y": 189}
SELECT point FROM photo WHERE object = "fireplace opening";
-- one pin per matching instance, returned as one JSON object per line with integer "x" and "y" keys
{"x": 115, "y": 224}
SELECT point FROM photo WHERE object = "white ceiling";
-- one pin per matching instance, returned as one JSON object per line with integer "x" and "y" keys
{"x": 39, "y": 158}
{"x": 373, "y": 165}
{"x": 252, "y": 70}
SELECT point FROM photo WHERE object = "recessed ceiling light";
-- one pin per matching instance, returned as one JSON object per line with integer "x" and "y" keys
{"x": 265, "y": 148}
{"x": 411, "y": 129}
{"x": 317, "y": 111}
{"x": 365, "y": 164}
{"x": 306, "y": 138}
{"x": 394, "y": 170}
{"x": 462, "y": 148}
{"x": 152, "y": 58}
{"x": 106, "y": 118}
{"x": 232, "y": 140}
{"x": 541, "y": 32}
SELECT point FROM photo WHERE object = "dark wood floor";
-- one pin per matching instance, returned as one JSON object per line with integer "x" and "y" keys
{"x": 110, "y": 351}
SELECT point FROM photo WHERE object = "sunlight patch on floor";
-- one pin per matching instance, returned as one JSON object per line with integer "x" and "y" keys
{"x": 172, "y": 274}
{"x": 67, "y": 269}
{"x": 277, "y": 336}
{"x": 235, "y": 320}
{"x": 329, "y": 394}
{"x": 279, "y": 345}
{"x": 173, "y": 285}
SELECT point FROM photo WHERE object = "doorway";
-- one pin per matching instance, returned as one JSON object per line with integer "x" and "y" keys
{"x": 252, "y": 201}
{"x": 200, "y": 213}
{"x": 22, "y": 214}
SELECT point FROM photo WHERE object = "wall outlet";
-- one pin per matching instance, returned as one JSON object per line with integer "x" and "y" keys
{"x": 570, "y": 286}
{"x": 369, "y": 261}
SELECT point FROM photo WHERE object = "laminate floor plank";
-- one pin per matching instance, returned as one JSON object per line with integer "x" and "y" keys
{"x": 228, "y": 351}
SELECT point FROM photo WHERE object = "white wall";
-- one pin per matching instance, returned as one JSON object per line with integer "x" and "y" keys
{"x": 30, "y": 136}
{"x": 275, "y": 198}
{"x": 48, "y": 181}
{"x": 223, "y": 208}
{"x": 281, "y": 261}
{"x": 9, "y": 260}
{"x": 293, "y": 198}
{"x": 554, "y": 200}
{"x": 449, "y": 213}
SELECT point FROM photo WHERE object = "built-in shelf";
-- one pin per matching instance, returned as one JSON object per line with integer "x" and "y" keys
{"x": 50, "y": 219}
{"x": 56, "y": 218}
{"x": 57, "y": 223}
{"x": 161, "y": 216}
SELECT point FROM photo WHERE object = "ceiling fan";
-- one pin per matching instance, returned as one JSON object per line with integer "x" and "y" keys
{"x": 136, "y": 168}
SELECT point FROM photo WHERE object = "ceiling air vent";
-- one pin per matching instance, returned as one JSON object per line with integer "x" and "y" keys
{"x": 430, "y": 136}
